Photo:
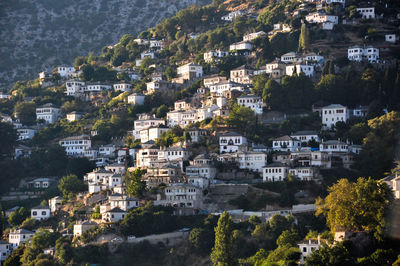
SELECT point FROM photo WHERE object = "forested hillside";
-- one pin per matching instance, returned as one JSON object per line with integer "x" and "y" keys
{"x": 36, "y": 35}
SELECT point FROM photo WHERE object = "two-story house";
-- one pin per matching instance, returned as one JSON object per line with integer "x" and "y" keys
{"x": 230, "y": 142}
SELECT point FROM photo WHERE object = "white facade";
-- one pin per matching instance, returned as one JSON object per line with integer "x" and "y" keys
{"x": 275, "y": 172}
{"x": 357, "y": 53}
{"x": 332, "y": 114}
{"x": 308, "y": 70}
{"x": 55, "y": 203}
{"x": 251, "y": 101}
{"x": 40, "y": 213}
{"x": 17, "y": 237}
{"x": 76, "y": 146}
{"x": 305, "y": 136}
{"x": 240, "y": 46}
{"x": 123, "y": 86}
{"x": 123, "y": 202}
{"x": 97, "y": 87}
{"x": 113, "y": 215}
{"x": 318, "y": 17}
{"x": 230, "y": 142}
{"x": 220, "y": 88}
{"x": 65, "y": 71}
{"x": 146, "y": 122}
{"x": 285, "y": 143}
{"x": 25, "y": 133}
{"x": 253, "y": 36}
{"x": 252, "y": 160}
{"x": 307, "y": 247}
{"x": 73, "y": 116}
{"x": 82, "y": 227}
{"x": 5, "y": 251}
{"x": 181, "y": 118}
{"x": 211, "y": 55}
{"x": 190, "y": 71}
{"x": 289, "y": 57}
{"x": 182, "y": 195}
{"x": 332, "y": 146}
{"x": 367, "y": 12}
{"x": 303, "y": 173}
{"x": 145, "y": 156}
{"x": 152, "y": 133}
{"x": 48, "y": 112}
{"x": 343, "y": 2}
{"x": 232, "y": 15}
{"x": 75, "y": 87}
{"x": 136, "y": 98}
{"x": 173, "y": 153}
{"x": 392, "y": 38}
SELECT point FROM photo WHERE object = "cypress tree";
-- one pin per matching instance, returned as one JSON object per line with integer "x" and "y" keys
{"x": 223, "y": 251}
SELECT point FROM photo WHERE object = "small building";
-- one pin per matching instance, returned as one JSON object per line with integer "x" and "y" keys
{"x": 305, "y": 136}
{"x": 114, "y": 215}
{"x": 40, "y": 212}
{"x": 146, "y": 121}
{"x": 122, "y": 86}
{"x": 392, "y": 38}
{"x": 77, "y": 145}
{"x": 48, "y": 112}
{"x": 275, "y": 172}
{"x": 65, "y": 71}
{"x": 240, "y": 46}
{"x": 190, "y": 71}
{"x": 136, "y": 98}
{"x": 285, "y": 143}
{"x": 358, "y": 54}
{"x": 232, "y": 15}
{"x": 307, "y": 247}
{"x": 123, "y": 202}
{"x": 82, "y": 226}
{"x": 304, "y": 173}
{"x": 251, "y": 160}
{"x": 181, "y": 196}
{"x": 73, "y": 116}
{"x": 298, "y": 68}
{"x": 55, "y": 203}
{"x": 75, "y": 87}
{"x": 157, "y": 85}
{"x": 333, "y": 146}
{"x": 290, "y": 57}
{"x": 26, "y": 133}
{"x": 41, "y": 183}
{"x": 366, "y": 12}
{"x": 251, "y": 101}
{"x": 152, "y": 133}
{"x": 230, "y": 142}
{"x": 334, "y": 113}
{"x": 214, "y": 55}
{"x": 242, "y": 74}
{"x": 17, "y": 237}
{"x": 5, "y": 250}
{"x": 252, "y": 36}
{"x": 196, "y": 134}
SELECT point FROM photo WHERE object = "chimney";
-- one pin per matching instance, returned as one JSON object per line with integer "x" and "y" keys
{"x": 309, "y": 241}
{"x": 319, "y": 239}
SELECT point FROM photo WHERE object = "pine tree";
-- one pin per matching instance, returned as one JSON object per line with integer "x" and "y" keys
{"x": 304, "y": 39}
{"x": 223, "y": 251}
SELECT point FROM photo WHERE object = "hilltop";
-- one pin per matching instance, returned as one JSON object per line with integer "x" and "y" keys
{"x": 41, "y": 33}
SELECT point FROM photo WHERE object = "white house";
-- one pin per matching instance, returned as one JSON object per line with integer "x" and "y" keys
{"x": 76, "y": 146}
{"x": 274, "y": 65}
{"x": 65, "y": 71}
{"x": 26, "y": 133}
{"x": 212, "y": 55}
{"x": 146, "y": 121}
{"x": 303, "y": 173}
{"x": 136, "y": 98}
{"x": 360, "y": 111}
{"x": 114, "y": 215}
{"x": 73, "y": 116}
{"x": 196, "y": 134}
{"x": 334, "y": 113}
{"x": 319, "y": 17}
{"x": 212, "y": 80}
{"x": 307, "y": 247}
{"x": 251, "y": 160}
{"x": 17, "y": 237}
{"x": 122, "y": 86}
{"x": 181, "y": 195}
{"x": 305, "y": 136}
{"x": 285, "y": 143}
{"x": 242, "y": 74}
{"x": 298, "y": 68}
{"x": 289, "y": 57}
{"x": 157, "y": 85}
{"x": 5, "y": 250}
{"x": 75, "y": 87}
{"x": 190, "y": 71}
{"x": 158, "y": 44}
{"x": 252, "y": 36}
{"x": 42, "y": 182}
{"x": 367, "y": 12}
{"x": 82, "y": 226}
{"x": 145, "y": 156}
{"x": 332, "y": 146}
{"x": 48, "y": 112}
{"x": 393, "y": 181}
{"x": 232, "y": 15}
{"x": 55, "y": 203}
{"x": 251, "y": 101}
{"x": 40, "y": 212}
{"x": 392, "y": 38}
{"x": 225, "y": 86}
{"x": 230, "y": 142}
{"x": 313, "y": 57}
{"x": 358, "y": 53}
{"x": 97, "y": 87}
{"x": 152, "y": 133}
{"x": 123, "y": 202}
{"x": 240, "y": 46}
{"x": 173, "y": 153}
{"x": 342, "y": 2}
{"x": 181, "y": 118}
{"x": 275, "y": 172}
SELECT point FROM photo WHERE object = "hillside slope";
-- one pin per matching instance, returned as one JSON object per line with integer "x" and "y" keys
{"x": 39, "y": 34}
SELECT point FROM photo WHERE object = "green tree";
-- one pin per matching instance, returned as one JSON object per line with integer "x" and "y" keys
{"x": 162, "y": 111}
{"x": 304, "y": 39}
{"x": 8, "y": 139}
{"x": 242, "y": 118}
{"x": 223, "y": 253}
{"x": 18, "y": 216}
{"x": 201, "y": 239}
{"x": 288, "y": 237}
{"x": 70, "y": 185}
{"x": 170, "y": 73}
{"x": 359, "y": 206}
{"x": 63, "y": 250}
{"x": 135, "y": 186}
{"x": 15, "y": 257}
{"x": 25, "y": 112}
{"x": 330, "y": 256}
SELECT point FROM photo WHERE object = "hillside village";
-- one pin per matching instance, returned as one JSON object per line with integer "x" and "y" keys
{"x": 257, "y": 109}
